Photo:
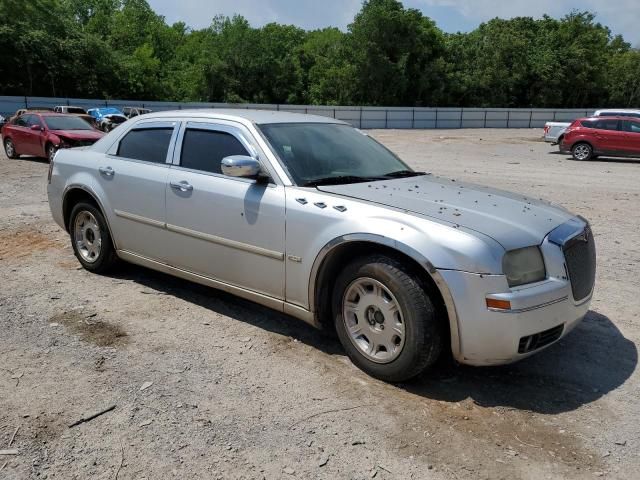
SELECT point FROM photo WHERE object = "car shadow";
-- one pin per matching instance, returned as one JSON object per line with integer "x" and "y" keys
{"x": 590, "y": 362}
{"x": 600, "y": 158}
{"x": 587, "y": 364}
{"x": 32, "y": 159}
{"x": 230, "y": 306}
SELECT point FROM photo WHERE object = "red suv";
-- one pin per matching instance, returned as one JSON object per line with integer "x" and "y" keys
{"x": 42, "y": 134}
{"x": 587, "y": 138}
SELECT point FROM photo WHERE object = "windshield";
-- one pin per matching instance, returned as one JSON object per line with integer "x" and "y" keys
{"x": 66, "y": 123}
{"x": 326, "y": 153}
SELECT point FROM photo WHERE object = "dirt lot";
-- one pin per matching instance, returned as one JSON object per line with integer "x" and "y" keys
{"x": 242, "y": 392}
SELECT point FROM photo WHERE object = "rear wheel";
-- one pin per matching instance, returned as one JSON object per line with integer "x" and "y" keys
{"x": 10, "y": 149}
{"x": 385, "y": 319}
{"x": 582, "y": 151}
{"x": 90, "y": 238}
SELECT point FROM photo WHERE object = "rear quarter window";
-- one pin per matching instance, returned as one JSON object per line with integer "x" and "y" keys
{"x": 149, "y": 144}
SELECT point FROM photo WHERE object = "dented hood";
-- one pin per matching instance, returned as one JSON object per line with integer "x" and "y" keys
{"x": 513, "y": 220}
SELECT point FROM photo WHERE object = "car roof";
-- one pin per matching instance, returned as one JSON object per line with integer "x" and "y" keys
{"x": 614, "y": 110}
{"x": 609, "y": 117}
{"x": 242, "y": 115}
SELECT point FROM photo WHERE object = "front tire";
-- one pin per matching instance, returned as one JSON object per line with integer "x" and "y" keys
{"x": 90, "y": 238}
{"x": 51, "y": 151}
{"x": 385, "y": 320}
{"x": 582, "y": 152}
{"x": 10, "y": 149}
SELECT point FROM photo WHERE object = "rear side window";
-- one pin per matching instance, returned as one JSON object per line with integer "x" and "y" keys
{"x": 204, "y": 149}
{"x": 149, "y": 145}
{"x": 610, "y": 124}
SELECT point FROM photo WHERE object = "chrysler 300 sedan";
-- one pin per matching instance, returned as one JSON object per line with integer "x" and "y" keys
{"x": 312, "y": 217}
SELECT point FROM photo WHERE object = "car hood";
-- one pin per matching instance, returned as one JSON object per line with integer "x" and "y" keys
{"x": 513, "y": 220}
{"x": 79, "y": 134}
{"x": 115, "y": 117}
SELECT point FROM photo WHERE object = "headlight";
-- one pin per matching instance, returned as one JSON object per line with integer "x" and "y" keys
{"x": 524, "y": 265}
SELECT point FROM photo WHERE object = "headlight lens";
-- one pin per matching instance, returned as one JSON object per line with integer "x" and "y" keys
{"x": 524, "y": 265}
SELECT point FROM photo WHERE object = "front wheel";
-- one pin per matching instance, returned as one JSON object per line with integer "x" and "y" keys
{"x": 385, "y": 319}
{"x": 582, "y": 152}
{"x": 90, "y": 238}
{"x": 51, "y": 152}
{"x": 10, "y": 149}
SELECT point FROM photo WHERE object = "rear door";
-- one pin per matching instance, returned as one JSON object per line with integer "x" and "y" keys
{"x": 607, "y": 136}
{"x": 18, "y": 134}
{"x": 133, "y": 175}
{"x": 631, "y": 129}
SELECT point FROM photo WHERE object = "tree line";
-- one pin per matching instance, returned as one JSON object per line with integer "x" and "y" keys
{"x": 390, "y": 55}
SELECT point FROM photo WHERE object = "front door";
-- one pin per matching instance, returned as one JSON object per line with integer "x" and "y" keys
{"x": 228, "y": 229}
{"x": 34, "y": 139}
{"x": 631, "y": 129}
{"x": 133, "y": 176}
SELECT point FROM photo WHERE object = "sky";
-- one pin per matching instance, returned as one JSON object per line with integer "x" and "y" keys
{"x": 621, "y": 16}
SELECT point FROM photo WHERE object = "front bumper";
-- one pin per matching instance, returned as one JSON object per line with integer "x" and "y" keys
{"x": 540, "y": 314}
{"x": 494, "y": 337}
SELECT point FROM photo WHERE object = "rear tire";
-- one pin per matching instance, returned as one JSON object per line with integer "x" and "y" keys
{"x": 385, "y": 319}
{"x": 10, "y": 149}
{"x": 90, "y": 238}
{"x": 582, "y": 152}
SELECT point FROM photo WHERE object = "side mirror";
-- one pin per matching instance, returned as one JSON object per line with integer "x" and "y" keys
{"x": 241, "y": 166}
{"x": 37, "y": 128}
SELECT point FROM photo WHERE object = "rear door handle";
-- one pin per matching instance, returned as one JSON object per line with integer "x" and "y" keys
{"x": 108, "y": 171}
{"x": 182, "y": 186}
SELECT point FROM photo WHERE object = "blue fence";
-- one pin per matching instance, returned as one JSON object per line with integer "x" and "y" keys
{"x": 361, "y": 117}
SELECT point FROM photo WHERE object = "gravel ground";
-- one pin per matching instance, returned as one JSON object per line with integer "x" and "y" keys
{"x": 209, "y": 386}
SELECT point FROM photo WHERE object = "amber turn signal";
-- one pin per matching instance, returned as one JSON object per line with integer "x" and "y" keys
{"x": 498, "y": 304}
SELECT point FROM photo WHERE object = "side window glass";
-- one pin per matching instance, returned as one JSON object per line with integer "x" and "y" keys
{"x": 204, "y": 149}
{"x": 149, "y": 144}
{"x": 633, "y": 127}
{"x": 21, "y": 121}
{"x": 33, "y": 120}
{"x": 607, "y": 124}
{"x": 588, "y": 124}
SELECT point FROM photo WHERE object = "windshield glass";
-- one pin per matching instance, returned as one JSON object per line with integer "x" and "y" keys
{"x": 325, "y": 153}
{"x": 66, "y": 123}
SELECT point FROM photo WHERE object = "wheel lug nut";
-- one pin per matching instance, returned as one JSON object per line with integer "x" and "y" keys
{"x": 381, "y": 327}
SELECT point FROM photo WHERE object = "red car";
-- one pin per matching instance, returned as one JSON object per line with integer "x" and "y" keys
{"x": 42, "y": 134}
{"x": 587, "y": 138}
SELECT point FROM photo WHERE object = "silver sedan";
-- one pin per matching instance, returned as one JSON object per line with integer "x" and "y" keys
{"x": 312, "y": 217}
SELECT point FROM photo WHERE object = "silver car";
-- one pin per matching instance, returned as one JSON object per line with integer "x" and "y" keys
{"x": 314, "y": 218}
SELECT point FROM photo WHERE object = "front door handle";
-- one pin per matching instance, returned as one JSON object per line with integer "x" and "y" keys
{"x": 182, "y": 186}
{"x": 108, "y": 171}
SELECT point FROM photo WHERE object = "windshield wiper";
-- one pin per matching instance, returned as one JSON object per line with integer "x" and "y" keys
{"x": 340, "y": 180}
{"x": 404, "y": 173}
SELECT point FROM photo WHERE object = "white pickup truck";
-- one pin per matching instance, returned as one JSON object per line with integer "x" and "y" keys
{"x": 553, "y": 131}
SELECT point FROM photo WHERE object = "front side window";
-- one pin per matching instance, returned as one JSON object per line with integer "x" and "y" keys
{"x": 632, "y": 127}
{"x": 204, "y": 149}
{"x": 33, "y": 120}
{"x": 326, "y": 153}
{"x": 147, "y": 144}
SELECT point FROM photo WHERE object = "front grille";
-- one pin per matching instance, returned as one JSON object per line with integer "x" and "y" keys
{"x": 580, "y": 257}
{"x": 533, "y": 342}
